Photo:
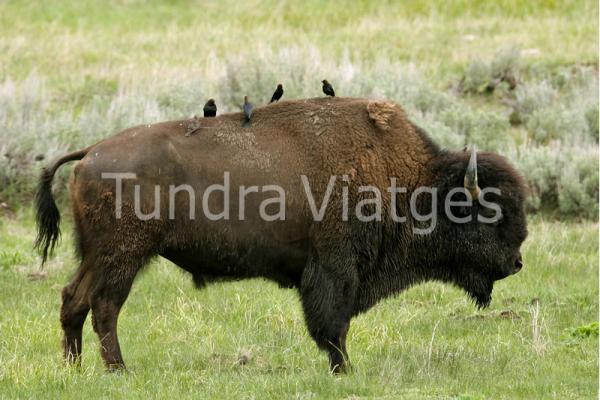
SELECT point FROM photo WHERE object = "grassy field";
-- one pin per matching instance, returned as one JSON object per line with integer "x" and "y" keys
{"x": 70, "y": 41}
{"x": 72, "y": 73}
{"x": 537, "y": 340}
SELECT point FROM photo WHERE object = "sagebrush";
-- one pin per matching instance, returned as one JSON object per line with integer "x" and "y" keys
{"x": 547, "y": 125}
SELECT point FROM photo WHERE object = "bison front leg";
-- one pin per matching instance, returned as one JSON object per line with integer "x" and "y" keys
{"x": 327, "y": 292}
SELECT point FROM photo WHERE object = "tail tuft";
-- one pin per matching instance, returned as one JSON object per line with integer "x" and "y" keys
{"x": 47, "y": 216}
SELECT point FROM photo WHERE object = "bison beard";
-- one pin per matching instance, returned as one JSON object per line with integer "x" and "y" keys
{"x": 479, "y": 288}
{"x": 340, "y": 268}
{"x": 483, "y": 297}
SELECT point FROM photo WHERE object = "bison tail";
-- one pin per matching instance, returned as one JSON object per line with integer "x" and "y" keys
{"x": 47, "y": 214}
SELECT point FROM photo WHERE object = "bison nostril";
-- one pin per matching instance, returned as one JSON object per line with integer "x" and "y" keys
{"x": 518, "y": 264}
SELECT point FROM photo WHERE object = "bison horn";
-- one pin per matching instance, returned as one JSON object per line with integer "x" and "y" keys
{"x": 471, "y": 175}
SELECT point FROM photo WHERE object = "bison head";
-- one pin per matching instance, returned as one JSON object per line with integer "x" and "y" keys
{"x": 486, "y": 248}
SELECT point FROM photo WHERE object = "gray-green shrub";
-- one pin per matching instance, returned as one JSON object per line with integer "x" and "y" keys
{"x": 555, "y": 146}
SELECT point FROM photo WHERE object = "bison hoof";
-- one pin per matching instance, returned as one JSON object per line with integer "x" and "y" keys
{"x": 116, "y": 368}
{"x": 338, "y": 369}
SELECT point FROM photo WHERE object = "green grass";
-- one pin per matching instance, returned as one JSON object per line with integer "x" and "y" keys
{"x": 429, "y": 342}
{"x": 71, "y": 41}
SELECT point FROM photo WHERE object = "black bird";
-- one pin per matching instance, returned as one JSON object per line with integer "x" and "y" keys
{"x": 327, "y": 88}
{"x": 210, "y": 108}
{"x": 278, "y": 93}
{"x": 247, "y": 111}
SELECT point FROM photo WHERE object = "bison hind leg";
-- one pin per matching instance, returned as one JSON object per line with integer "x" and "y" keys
{"x": 107, "y": 298}
{"x": 74, "y": 310}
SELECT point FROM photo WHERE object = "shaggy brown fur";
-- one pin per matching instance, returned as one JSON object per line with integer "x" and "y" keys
{"x": 341, "y": 268}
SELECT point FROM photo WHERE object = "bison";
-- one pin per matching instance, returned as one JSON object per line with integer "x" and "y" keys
{"x": 133, "y": 198}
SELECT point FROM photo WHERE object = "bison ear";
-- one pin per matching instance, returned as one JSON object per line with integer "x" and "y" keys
{"x": 382, "y": 113}
{"x": 470, "y": 181}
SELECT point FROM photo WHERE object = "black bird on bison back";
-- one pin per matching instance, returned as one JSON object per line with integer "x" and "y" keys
{"x": 248, "y": 107}
{"x": 328, "y": 89}
{"x": 277, "y": 94}
{"x": 210, "y": 109}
